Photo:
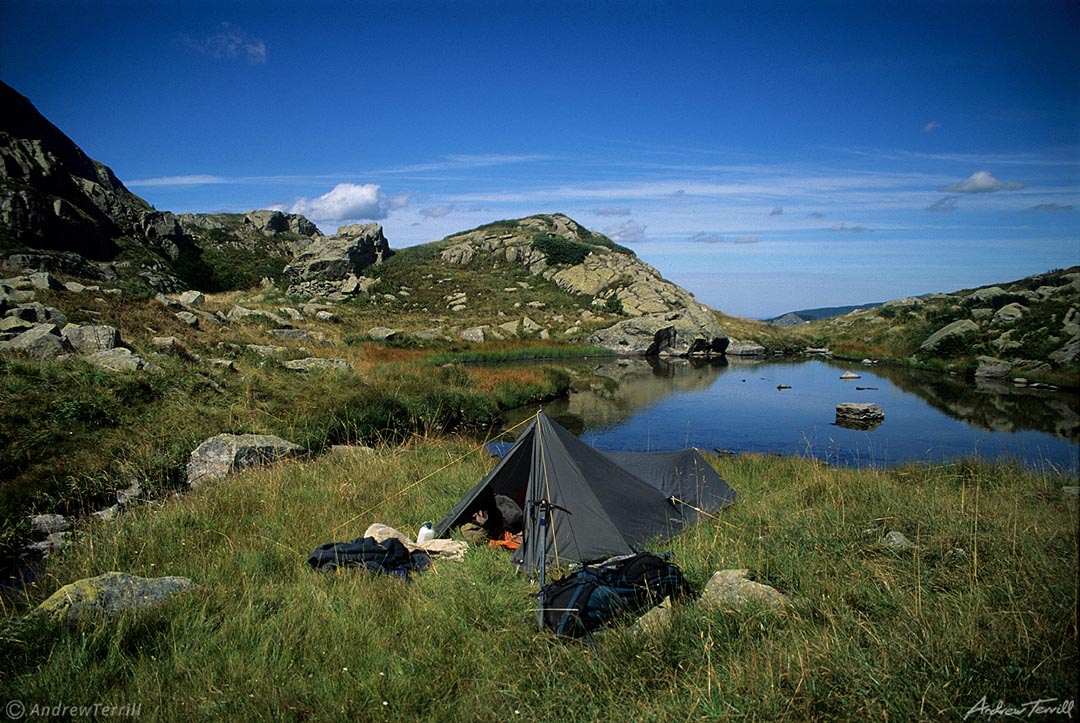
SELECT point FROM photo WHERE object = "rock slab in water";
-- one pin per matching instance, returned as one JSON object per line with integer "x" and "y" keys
{"x": 110, "y": 594}
{"x": 225, "y": 453}
{"x": 859, "y": 415}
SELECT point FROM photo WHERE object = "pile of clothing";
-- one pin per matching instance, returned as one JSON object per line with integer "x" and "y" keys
{"x": 383, "y": 550}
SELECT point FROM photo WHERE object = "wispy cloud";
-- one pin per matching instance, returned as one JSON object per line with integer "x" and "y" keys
{"x": 777, "y": 211}
{"x": 613, "y": 211}
{"x": 816, "y": 214}
{"x": 626, "y": 232}
{"x": 931, "y": 127}
{"x": 464, "y": 161}
{"x": 229, "y": 43}
{"x": 1050, "y": 208}
{"x": 197, "y": 180}
{"x": 346, "y": 202}
{"x": 708, "y": 237}
{"x": 944, "y": 205}
{"x": 982, "y": 182}
{"x": 436, "y": 211}
{"x": 844, "y": 228}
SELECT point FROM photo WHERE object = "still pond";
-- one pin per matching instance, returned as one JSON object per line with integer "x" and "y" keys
{"x": 789, "y": 407}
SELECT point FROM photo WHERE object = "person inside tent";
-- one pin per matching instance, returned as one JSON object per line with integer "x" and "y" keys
{"x": 496, "y": 521}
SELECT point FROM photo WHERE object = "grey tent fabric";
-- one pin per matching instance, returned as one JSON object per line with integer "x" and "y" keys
{"x": 605, "y": 503}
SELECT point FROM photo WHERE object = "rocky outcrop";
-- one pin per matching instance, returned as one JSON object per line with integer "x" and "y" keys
{"x": 336, "y": 258}
{"x": 55, "y": 197}
{"x": 226, "y": 453}
{"x": 677, "y": 333}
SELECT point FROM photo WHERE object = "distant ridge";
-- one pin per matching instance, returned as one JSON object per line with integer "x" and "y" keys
{"x": 794, "y": 318}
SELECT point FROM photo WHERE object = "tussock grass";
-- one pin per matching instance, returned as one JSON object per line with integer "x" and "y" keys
{"x": 984, "y": 606}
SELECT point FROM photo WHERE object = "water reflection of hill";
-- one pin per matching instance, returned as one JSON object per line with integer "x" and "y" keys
{"x": 993, "y": 406}
{"x": 619, "y": 388}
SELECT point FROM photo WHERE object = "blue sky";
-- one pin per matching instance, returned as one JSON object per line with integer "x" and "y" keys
{"x": 769, "y": 156}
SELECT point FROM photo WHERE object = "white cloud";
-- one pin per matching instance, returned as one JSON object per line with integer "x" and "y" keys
{"x": 944, "y": 205}
{"x": 229, "y": 43}
{"x": 931, "y": 127}
{"x": 626, "y": 232}
{"x": 345, "y": 202}
{"x": 982, "y": 182}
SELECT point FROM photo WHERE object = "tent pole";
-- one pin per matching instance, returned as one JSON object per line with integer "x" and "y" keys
{"x": 543, "y": 505}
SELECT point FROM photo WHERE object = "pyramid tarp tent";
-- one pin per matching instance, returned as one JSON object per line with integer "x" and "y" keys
{"x": 606, "y": 503}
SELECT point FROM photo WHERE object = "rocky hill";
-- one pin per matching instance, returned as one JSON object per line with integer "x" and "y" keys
{"x": 1030, "y": 325}
{"x": 652, "y": 315}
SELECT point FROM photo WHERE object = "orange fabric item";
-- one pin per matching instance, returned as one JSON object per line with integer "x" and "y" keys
{"x": 508, "y": 541}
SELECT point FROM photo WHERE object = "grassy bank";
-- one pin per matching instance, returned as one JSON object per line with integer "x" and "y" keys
{"x": 984, "y": 606}
{"x": 71, "y": 434}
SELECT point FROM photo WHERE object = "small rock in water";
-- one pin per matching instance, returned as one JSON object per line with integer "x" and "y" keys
{"x": 856, "y": 415}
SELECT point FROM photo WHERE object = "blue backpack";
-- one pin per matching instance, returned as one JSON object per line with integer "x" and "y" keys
{"x": 586, "y": 600}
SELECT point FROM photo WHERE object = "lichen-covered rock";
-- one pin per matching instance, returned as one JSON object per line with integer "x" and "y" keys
{"x": 192, "y": 298}
{"x": 733, "y": 589}
{"x": 311, "y": 363}
{"x": 87, "y": 339}
{"x": 477, "y": 334}
{"x": 271, "y": 351}
{"x": 118, "y": 359}
{"x": 991, "y": 368}
{"x": 226, "y": 453}
{"x": 1009, "y": 314}
{"x": 38, "y": 313}
{"x": 383, "y": 333}
{"x": 111, "y": 594}
{"x": 955, "y": 332}
{"x": 745, "y": 348}
{"x": 47, "y": 524}
{"x": 985, "y": 296}
{"x": 42, "y": 342}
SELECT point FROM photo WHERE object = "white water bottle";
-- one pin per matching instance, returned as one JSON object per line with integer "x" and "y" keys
{"x": 425, "y": 533}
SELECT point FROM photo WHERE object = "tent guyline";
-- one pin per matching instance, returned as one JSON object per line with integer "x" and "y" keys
{"x": 423, "y": 479}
